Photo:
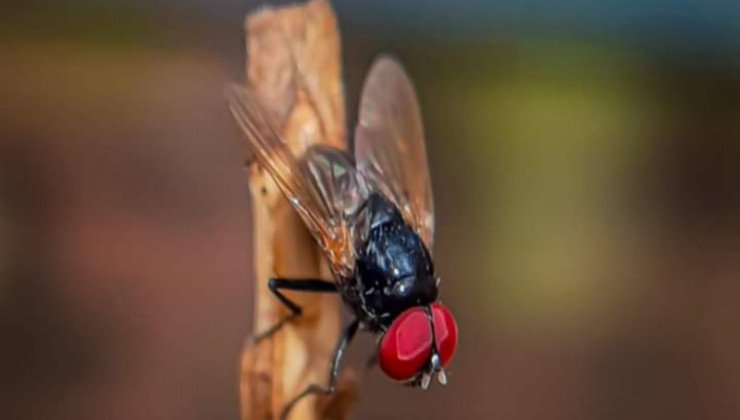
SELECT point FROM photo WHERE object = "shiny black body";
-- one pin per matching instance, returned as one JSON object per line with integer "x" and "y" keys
{"x": 393, "y": 269}
{"x": 393, "y": 272}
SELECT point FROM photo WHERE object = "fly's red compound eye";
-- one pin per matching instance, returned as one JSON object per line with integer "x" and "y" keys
{"x": 445, "y": 332}
{"x": 407, "y": 345}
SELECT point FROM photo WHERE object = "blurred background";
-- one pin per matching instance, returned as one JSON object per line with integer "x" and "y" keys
{"x": 586, "y": 166}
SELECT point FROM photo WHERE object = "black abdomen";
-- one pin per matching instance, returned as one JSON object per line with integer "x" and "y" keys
{"x": 394, "y": 270}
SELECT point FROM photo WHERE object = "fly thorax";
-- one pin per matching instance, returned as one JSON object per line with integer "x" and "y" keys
{"x": 394, "y": 268}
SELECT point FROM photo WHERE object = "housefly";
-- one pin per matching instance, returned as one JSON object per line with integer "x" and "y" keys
{"x": 373, "y": 216}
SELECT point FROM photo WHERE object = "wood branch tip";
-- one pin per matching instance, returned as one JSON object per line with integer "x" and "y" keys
{"x": 284, "y": 44}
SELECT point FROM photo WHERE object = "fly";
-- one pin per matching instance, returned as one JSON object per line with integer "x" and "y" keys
{"x": 373, "y": 216}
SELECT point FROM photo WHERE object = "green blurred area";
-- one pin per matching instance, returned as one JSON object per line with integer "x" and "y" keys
{"x": 587, "y": 196}
{"x": 556, "y": 135}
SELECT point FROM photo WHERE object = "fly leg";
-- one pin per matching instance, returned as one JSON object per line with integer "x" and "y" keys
{"x": 347, "y": 335}
{"x": 302, "y": 285}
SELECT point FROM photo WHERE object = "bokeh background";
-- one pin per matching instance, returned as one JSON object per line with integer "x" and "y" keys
{"x": 586, "y": 167}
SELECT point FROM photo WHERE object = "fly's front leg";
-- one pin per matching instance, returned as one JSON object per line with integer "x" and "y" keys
{"x": 297, "y": 285}
{"x": 344, "y": 340}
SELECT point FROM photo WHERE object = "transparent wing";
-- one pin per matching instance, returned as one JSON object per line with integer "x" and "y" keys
{"x": 336, "y": 185}
{"x": 389, "y": 145}
{"x": 322, "y": 186}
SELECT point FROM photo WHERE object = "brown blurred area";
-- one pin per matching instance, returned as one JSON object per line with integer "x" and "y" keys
{"x": 125, "y": 236}
{"x": 588, "y": 208}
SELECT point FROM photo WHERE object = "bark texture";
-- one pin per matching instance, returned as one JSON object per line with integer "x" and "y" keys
{"x": 294, "y": 67}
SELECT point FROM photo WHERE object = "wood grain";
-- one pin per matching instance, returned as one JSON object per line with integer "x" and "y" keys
{"x": 294, "y": 67}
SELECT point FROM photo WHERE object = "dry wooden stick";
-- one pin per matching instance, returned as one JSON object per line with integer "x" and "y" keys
{"x": 294, "y": 68}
